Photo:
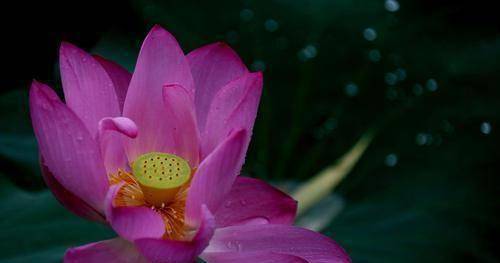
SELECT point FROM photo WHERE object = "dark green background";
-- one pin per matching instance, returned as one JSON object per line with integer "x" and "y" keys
{"x": 425, "y": 191}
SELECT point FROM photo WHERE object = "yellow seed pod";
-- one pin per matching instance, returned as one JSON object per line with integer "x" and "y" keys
{"x": 160, "y": 176}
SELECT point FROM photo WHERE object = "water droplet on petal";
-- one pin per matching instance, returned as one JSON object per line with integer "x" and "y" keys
{"x": 234, "y": 245}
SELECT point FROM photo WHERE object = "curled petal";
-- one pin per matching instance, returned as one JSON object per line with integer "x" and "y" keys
{"x": 119, "y": 124}
{"x": 215, "y": 176}
{"x": 283, "y": 239}
{"x": 172, "y": 251}
{"x": 68, "y": 149}
{"x": 250, "y": 200}
{"x": 115, "y": 250}
{"x": 112, "y": 143}
{"x": 212, "y": 67}
{"x": 133, "y": 222}
{"x": 88, "y": 89}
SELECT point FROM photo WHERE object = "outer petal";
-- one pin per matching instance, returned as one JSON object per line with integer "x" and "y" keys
{"x": 212, "y": 66}
{"x": 282, "y": 239}
{"x": 160, "y": 61}
{"x": 171, "y": 251}
{"x": 261, "y": 257}
{"x": 68, "y": 149}
{"x": 133, "y": 222}
{"x": 181, "y": 118}
{"x": 114, "y": 250}
{"x": 88, "y": 89}
{"x": 119, "y": 76}
{"x": 110, "y": 132}
{"x": 252, "y": 199}
{"x": 215, "y": 176}
{"x": 234, "y": 106}
{"x": 70, "y": 201}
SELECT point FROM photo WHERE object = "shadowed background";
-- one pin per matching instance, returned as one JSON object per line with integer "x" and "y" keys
{"x": 424, "y": 73}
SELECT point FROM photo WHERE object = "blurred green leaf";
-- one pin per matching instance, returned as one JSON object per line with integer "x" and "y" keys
{"x": 36, "y": 228}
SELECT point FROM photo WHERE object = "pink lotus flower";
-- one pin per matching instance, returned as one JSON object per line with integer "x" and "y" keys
{"x": 156, "y": 155}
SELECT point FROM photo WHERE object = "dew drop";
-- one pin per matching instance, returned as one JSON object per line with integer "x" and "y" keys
{"x": 234, "y": 245}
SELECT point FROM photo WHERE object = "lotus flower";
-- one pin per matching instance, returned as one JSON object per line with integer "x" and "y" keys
{"x": 157, "y": 155}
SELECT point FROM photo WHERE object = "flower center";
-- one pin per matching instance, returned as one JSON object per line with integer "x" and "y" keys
{"x": 161, "y": 176}
{"x": 159, "y": 181}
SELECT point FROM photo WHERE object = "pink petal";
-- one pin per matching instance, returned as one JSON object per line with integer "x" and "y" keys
{"x": 215, "y": 176}
{"x": 160, "y": 61}
{"x": 182, "y": 121}
{"x": 261, "y": 257}
{"x": 282, "y": 239}
{"x": 88, "y": 89}
{"x": 68, "y": 149}
{"x": 252, "y": 199}
{"x": 173, "y": 251}
{"x": 234, "y": 106}
{"x": 212, "y": 66}
{"x": 120, "y": 77}
{"x": 114, "y": 250}
{"x": 133, "y": 222}
{"x": 110, "y": 132}
{"x": 70, "y": 201}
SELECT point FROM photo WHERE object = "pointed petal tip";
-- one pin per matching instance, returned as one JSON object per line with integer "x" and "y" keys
{"x": 157, "y": 30}
{"x": 41, "y": 93}
{"x": 66, "y": 47}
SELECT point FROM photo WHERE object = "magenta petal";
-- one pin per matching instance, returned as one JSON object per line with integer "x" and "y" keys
{"x": 252, "y": 199}
{"x": 215, "y": 176}
{"x": 282, "y": 239}
{"x": 184, "y": 135}
{"x": 70, "y": 201}
{"x": 122, "y": 125}
{"x": 234, "y": 106}
{"x": 120, "y": 77}
{"x": 161, "y": 61}
{"x": 212, "y": 66}
{"x": 173, "y": 251}
{"x": 110, "y": 132}
{"x": 88, "y": 89}
{"x": 133, "y": 222}
{"x": 114, "y": 250}
{"x": 68, "y": 149}
{"x": 251, "y": 257}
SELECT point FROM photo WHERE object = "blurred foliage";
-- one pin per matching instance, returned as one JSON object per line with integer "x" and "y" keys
{"x": 425, "y": 75}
